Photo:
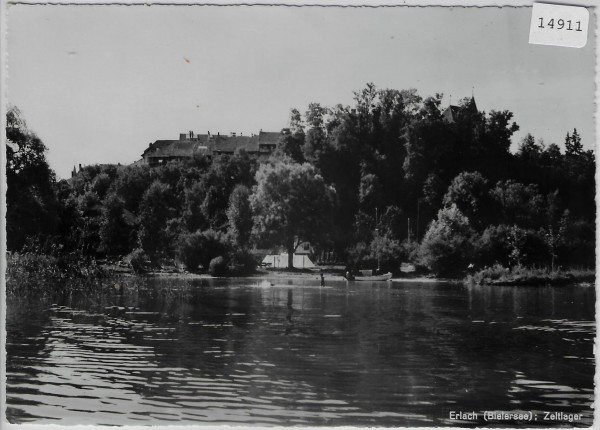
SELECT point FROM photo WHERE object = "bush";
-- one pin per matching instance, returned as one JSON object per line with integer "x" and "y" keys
{"x": 217, "y": 266}
{"x": 488, "y": 274}
{"x": 243, "y": 263}
{"x": 199, "y": 248}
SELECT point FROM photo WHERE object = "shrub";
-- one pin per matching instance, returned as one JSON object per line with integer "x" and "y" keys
{"x": 217, "y": 266}
{"x": 493, "y": 273}
{"x": 199, "y": 248}
{"x": 243, "y": 263}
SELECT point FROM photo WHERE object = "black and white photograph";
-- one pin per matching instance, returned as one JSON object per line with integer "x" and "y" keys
{"x": 298, "y": 216}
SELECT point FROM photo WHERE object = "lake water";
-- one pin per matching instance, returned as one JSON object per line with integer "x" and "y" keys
{"x": 250, "y": 353}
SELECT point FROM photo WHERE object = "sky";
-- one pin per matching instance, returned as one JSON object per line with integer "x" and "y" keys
{"x": 98, "y": 83}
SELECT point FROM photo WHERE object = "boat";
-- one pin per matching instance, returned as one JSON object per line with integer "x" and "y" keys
{"x": 384, "y": 277}
{"x": 367, "y": 275}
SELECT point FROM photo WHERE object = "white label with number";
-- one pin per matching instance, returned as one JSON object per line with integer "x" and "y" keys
{"x": 559, "y": 25}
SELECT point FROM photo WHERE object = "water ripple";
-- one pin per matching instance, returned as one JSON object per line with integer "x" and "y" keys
{"x": 298, "y": 355}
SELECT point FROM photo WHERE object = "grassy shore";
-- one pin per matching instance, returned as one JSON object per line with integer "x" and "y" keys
{"x": 34, "y": 274}
{"x": 38, "y": 275}
{"x": 518, "y": 275}
{"x": 29, "y": 274}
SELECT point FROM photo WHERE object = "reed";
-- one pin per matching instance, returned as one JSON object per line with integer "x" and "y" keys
{"x": 37, "y": 274}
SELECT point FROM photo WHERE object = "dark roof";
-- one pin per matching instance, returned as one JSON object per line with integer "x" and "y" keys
{"x": 473, "y": 105}
{"x": 208, "y": 144}
{"x": 156, "y": 145}
{"x": 229, "y": 144}
{"x": 450, "y": 113}
{"x": 202, "y": 138}
{"x": 162, "y": 145}
{"x": 269, "y": 137}
{"x": 179, "y": 148}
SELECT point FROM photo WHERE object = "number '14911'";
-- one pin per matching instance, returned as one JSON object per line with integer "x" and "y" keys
{"x": 561, "y": 24}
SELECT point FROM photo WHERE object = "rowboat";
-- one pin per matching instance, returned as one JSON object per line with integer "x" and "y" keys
{"x": 384, "y": 277}
{"x": 367, "y": 275}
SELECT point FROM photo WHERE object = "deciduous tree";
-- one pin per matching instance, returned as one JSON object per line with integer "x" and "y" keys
{"x": 447, "y": 246}
{"x": 30, "y": 199}
{"x": 469, "y": 191}
{"x": 291, "y": 203}
{"x": 156, "y": 208}
{"x": 239, "y": 214}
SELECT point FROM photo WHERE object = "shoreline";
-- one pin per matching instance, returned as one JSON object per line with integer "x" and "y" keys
{"x": 266, "y": 275}
{"x": 32, "y": 268}
{"x": 315, "y": 275}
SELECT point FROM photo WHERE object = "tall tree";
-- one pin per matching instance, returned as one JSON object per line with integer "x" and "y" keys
{"x": 573, "y": 144}
{"x": 316, "y": 136}
{"x": 529, "y": 148}
{"x": 291, "y": 203}
{"x": 156, "y": 208}
{"x": 192, "y": 217}
{"x": 291, "y": 144}
{"x": 31, "y": 207}
{"x": 115, "y": 230}
{"x": 239, "y": 214}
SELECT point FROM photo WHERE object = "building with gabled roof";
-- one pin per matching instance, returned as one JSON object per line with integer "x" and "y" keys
{"x": 208, "y": 145}
{"x": 229, "y": 144}
{"x": 451, "y": 113}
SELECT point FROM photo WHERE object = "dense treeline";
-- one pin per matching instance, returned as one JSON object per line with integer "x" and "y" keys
{"x": 389, "y": 178}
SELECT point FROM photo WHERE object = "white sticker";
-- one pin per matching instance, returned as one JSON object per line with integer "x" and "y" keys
{"x": 559, "y": 25}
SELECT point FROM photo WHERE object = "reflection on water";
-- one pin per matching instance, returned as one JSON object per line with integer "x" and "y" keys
{"x": 293, "y": 353}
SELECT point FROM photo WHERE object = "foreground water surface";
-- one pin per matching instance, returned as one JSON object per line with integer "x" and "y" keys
{"x": 281, "y": 352}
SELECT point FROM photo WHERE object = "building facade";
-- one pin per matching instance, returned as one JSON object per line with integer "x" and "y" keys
{"x": 189, "y": 145}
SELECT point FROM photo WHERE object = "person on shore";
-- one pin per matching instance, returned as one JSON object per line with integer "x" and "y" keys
{"x": 322, "y": 279}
